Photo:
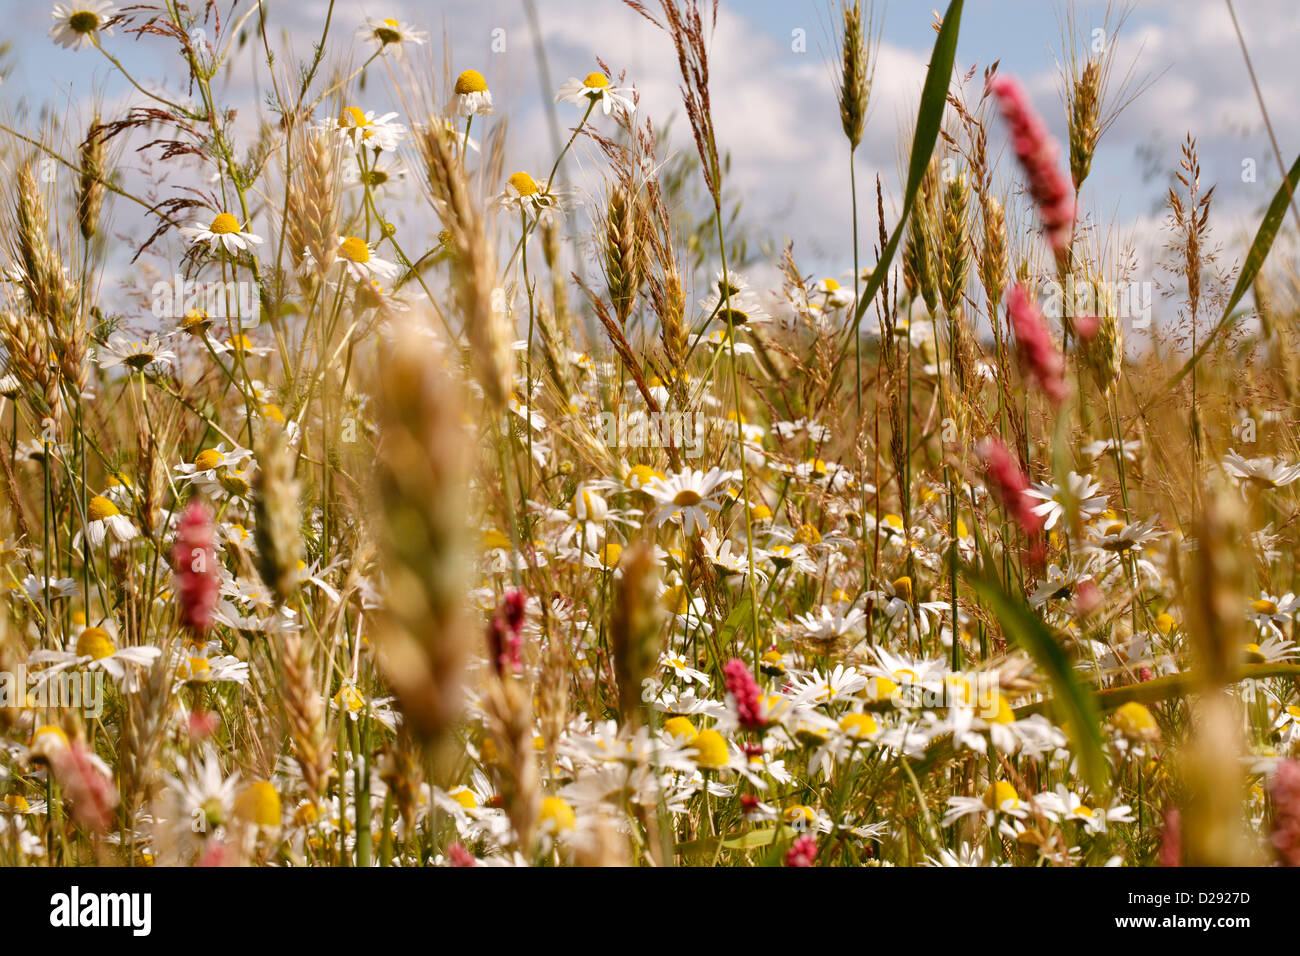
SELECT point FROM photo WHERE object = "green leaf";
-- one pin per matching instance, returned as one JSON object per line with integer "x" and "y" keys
{"x": 1074, "y": 700}
{"x": 1249, "y": 269}
{"x": 934, "y": 99}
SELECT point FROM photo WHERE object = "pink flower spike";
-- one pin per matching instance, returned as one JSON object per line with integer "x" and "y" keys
{"x": 1008, "y": 485}
{"x": 1048, "y": 185}
{"x": 745, "y": 692}
{"x": 1038, "y": 354}
{"x": 802, "y": 852}
{"x": 195, "y": 564}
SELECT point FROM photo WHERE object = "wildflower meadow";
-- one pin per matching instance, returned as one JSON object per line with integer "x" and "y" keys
{"x": 416, "y": 454}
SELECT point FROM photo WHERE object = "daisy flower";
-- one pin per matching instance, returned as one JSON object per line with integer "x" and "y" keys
{"x": 75, "y": 25}
{"x": 1264, "y": 472}
{"x": 828, "y": 625}
{"x": 391, "y": 33}
{"x": 689, "y": 495}
{"x": 526, "y": 194}
{"x": 1082, "y": 491}
{"x": 103, "y": 520}
{"x": 1269, "y": 612}
{"x": 471, "y": 96}
{"x": 95, "y": 650}
{"x": 358, "y": 258}
{"x": 823, "y": 688}
{"x": 136, "y": 354}
{"x": 595, "y": 88}
{"x": 224, "y": 231}
{"x": 999, "y": 799}
{"x": 366, "y": 129}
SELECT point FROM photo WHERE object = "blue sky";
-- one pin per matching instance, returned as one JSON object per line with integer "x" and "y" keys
{"x": 775, "y": 107}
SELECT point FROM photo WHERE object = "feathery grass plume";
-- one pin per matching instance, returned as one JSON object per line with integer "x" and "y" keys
{"x": 635, "y": 628}
{"x": 1037, "y": 154}
{"x": 421, "y": 495}
{"x": 311, "y": 220}
{"x": 473, "y": 267}
{"x": 90, "y": 186}
{"x": 685, "y": 27}
{"x": 279, "y": 516}
{"x": 857, "y": 68}
{"x": 1084, "y": 110}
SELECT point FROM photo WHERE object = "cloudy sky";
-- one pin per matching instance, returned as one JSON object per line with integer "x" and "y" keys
{"x": 773, "y": 95}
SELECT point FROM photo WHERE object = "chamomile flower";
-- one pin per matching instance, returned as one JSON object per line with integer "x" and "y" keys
{"x": 470, "y": 96}
{"x": 391, "y": 34}
{"x": 1263, "y": 473}
{"x": 1082, "y": 492}
{"x": 95, "y": 649}
{"x": 105, "y": 521}
{"x": 688, "y": 496}
{"x": 223, "y": 231}
{"x": 529, "y": 195}
{"x": 75, "y": 25}
{"x": 366, "y": 129}
{"x": 137, "y": 354}
{"x": 1269, "y": 612}
{"x": 595, "y": 88}
{"x": 357, "y": 257}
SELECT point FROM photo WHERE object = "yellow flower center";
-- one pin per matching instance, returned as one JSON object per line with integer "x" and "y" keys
{"x": 198, "y": 668}
{"x": 674, "y": 599}
{"x": 471, "y": 81}
{"x": 998, "y": 794}
{"x": 679, "y": 727}
{"x": 1004, "y": 714}
{"x": 224, "y": 224}
{"x": 465, "y": 797}
{"x": 556, "y": 811}
{"x": 99, "y": 508}
{"x": 207, "y": 459}
{"x": 687, "y": 498}
{"x": 903, "y": 588}
{"x": 1263, "y": 606}
{"x": 259, "y": 805}
{"x": 16, "y": 801}
{"x": 710, "y": 749}
{"x": 858, "y": 725}
{"x": 352, "y": 116}
{"x": 830, "y": 285}
{"x": 800, "y": 815}
{"x": 595, "y": 81}
{"x": 195, "y": 319}
{"x": 389, "y": 32}
{"x": 1164, "y": 623}
{"x": 94, "y": 642}
{"x": 1134, "y": 720}
{"x": 523, "y": 183}
{"x": 354, "y": 249}
{"x": 234, "y": 484}
{"x": 350, "y": 699}
{"x": 884, "y": 688}
{"x": 610, "y": 554}
{"x": 84, "y": 21}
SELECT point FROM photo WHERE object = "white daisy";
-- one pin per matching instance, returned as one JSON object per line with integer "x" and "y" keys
{"x": 391, "y": 33}
{"x": 224, "y": 231}
{"x": 366, "y": 129}
{"x": 1082, "y": 491}
{"x": 688, "y": 495}
{"x": 1263, "y": 472}
{"x": 595, "y": 88}
{"x": 471, "y": 96}
{"x": 357, "y": 257}
{"x": 136, "y": 354}
{"x": 103, "y": 520}
{"x": 75, "y": 25}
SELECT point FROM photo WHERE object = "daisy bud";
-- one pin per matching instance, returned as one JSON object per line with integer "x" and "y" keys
{"x": 1037, "y": 154}
{"x": 1008, "y": 485}
{"x": 745, "y": 692}
{"x": 1038, "y": 354}
{"x": 195, "y": 564}
{"x": 802, "y": 852}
